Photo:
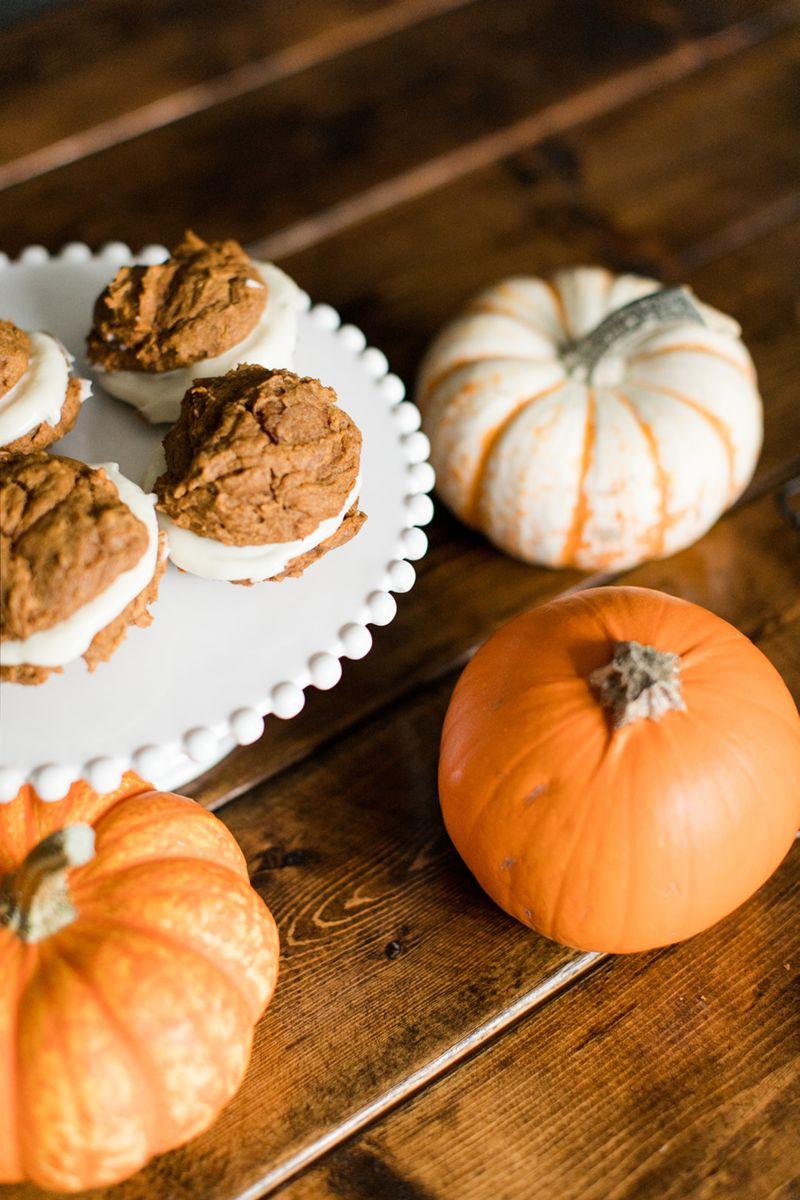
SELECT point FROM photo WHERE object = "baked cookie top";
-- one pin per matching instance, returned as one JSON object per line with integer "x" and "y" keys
{"x": 15, "y": 349}
{"x": 65, "y": 536}
{"x": 204, "y": 299}
{"x": 258, "y": 456}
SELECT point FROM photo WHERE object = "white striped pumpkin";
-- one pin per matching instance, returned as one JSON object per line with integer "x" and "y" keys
{"x": 598, "y": 467}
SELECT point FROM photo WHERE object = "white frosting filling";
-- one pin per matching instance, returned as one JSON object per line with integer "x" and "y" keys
{"x": 38, "y": 395}
{"x": 271, "y": 344}
{"x": 211, "y": 559}
{"x": 69, "y": 639}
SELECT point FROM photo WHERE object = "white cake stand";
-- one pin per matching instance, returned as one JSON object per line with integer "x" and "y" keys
{"x": 217, "y": 659}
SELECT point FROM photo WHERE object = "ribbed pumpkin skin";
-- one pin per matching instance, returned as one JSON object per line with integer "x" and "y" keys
{"x": 635, "y": 464}
{"x": 628, "y": 839}
{"x": 125, "y": 1033}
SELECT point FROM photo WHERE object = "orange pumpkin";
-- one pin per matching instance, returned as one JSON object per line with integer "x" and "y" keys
{"x": 620, "y": 769}
{"x": 135, "y": 960}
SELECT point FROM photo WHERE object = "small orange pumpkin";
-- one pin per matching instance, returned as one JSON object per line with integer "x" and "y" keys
{"x": 135, "y": 960}
{"x": 620, "y": 769}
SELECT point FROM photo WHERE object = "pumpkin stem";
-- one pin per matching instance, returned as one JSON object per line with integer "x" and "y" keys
{"x": 640, "y": 681}
{"x": 656, "y": 308}
{"x": 34, "y": 900}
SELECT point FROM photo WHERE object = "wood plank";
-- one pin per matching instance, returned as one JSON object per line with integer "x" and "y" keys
{"x": 671, "y": 1075}
{"x": 102, "y": 71}
{"x": 264, "y": 160}
{"x": 395, "y": 965}
{"x": 609, "y": 190}
{"x": 538, "y": 150}
{"x": 465, "y": 589}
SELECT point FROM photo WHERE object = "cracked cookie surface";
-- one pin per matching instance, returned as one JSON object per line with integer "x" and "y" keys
{"x": 65, "y": 536}
{"x": 203, "y": 300}
{"x": 258, "y": 457}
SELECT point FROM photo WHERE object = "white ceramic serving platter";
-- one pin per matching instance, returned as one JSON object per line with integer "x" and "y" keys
{"x": 218, "y": 658}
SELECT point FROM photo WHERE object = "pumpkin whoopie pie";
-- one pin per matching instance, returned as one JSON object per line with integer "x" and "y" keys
{"x": 203, "y": 311}
{"x": 80, "y": 561}
{"x": 39, "y": 398}
{"x": 261, "y": 476}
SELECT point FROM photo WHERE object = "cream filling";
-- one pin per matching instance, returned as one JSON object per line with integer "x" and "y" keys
{"x": 38, "y": 396}
{"x": 69, "y": 639}
{"x": 211, "y": 559}
{"x": 158, "y": 395}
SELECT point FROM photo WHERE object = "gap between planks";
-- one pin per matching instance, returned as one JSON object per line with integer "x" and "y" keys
{"x": 167, "y": 110}
{"x": 485, "y": 1033}
{"x": 555, "y": 119}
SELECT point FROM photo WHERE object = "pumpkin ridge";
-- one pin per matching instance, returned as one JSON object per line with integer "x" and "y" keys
{"x": 719, "y": 427}
{"x": 581, "y": 511}
{"x": 139, "y": 1059}
{"x": 16, "y": 1059}
{"x": 177, "y": 1137}
{"x": 627, "y": 907}
{"x": 72, "y": 807}
{"x": 154, "y": 860}
{"x": 612, "y": 741}
{"x": 748, "y": 372}
{"x": 159, "y": 854}
{"x": 560, "y": 307}
{"x": 659, "y": 534}
{"x": 442, "y": 377}
{"x": 580, "y": 830}
{"x": 491, "y": 797}
{"x": 112, "y": 841}
{"x": 752, "y": 702}
{"x": 529, "y": 749}
{"x": 46, "y": 951}
{"x": 484, "y": 308}
{"x": 690, "y": 885}
{"x": 166, "y": 939}
{"x": 490, "y": 441}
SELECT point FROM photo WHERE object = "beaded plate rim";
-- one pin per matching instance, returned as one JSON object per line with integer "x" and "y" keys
{"x": 202, "y": 746}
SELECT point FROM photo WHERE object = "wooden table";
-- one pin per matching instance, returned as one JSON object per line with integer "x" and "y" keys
{"x": 395, "y": 156}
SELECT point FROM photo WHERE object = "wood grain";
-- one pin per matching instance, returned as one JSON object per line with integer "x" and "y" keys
{"x": 672, "y": 1075}
{"x": 103, "y": 71}
{"x": 547, "y": 128}
{"x": 262, "y": 161}
{"x": 606, "y": 191}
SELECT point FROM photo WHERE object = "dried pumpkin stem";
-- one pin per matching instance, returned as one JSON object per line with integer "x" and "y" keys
{"x": 640, "y": 681}
{"x": 34, "y": 900}
{"x": 655, "y": 309}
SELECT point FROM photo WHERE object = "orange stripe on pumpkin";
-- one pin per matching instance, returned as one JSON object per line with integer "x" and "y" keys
{"x": 582, "y": 509}
{"x": 655, "y": 536}
{"x": 744, "y": 369}
{"x": 560, "y": 307}
{"x": 490, "y": 440}
{"x": 445, "y": 374}
{"x": 719, "y": 426}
